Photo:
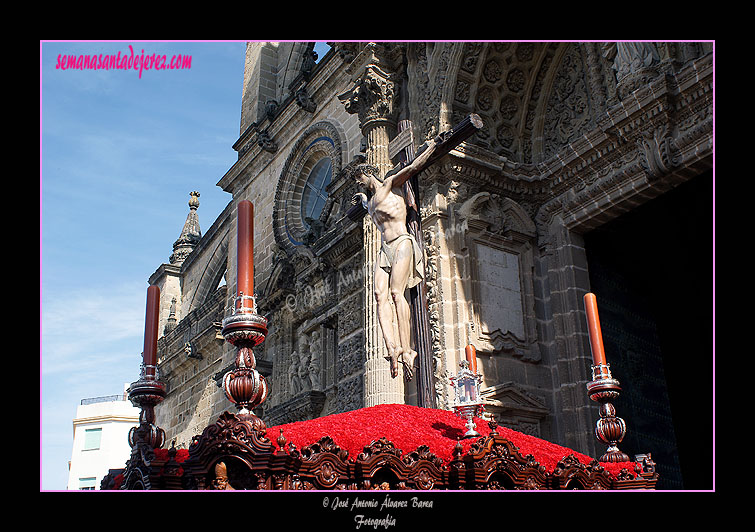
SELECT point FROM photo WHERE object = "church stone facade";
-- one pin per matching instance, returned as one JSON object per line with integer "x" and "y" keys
{"x": 518, "y": 223}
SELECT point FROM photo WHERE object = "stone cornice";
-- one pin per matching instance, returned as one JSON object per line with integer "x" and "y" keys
{"x": 164, "y": 270}
{"x": 106, "y": 418}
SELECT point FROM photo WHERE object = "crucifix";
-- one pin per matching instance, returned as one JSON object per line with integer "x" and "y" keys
{"x": 394, "y": 208}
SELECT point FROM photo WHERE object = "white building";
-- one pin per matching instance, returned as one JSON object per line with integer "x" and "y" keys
{"x": 100, "y": 439}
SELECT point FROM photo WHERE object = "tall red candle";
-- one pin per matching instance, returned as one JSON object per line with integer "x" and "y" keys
{"x": 593, "y": 326}
{"x": 471, "y": 354}
{"x": 150, "y": 331}
{"x": 245, "y": 251}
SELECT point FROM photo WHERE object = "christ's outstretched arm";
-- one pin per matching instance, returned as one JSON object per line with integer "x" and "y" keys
{"x": 403, "y": 175}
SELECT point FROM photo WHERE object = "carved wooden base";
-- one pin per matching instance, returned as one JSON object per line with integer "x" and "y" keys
{"x": 251, "y": 462}
{"x": 234, "y": 453}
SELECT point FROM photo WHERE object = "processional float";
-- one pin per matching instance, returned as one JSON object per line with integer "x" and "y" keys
{"x": 323, "y": 465}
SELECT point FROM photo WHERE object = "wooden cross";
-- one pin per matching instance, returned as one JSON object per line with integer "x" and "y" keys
{"x": 403, "y": 146}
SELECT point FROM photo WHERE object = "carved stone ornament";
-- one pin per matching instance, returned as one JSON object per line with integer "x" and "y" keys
{"x": 305, "y": 101}
{"x": 266, "y": 141}
{"x": 373, "y": 96}
{"x": 658, "y": 151}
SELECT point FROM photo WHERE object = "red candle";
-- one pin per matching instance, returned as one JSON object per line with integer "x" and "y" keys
{"x": 471, "y": 353}
{"x": 150, "y": 331}
{"x": 245, "y": 251}
{"x": 593, "y": 326}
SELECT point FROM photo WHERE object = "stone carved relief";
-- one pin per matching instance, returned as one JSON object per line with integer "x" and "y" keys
{"x": 303, "y": 367}
{"x": 434, "y": 301}
{"x": 315, "y": 360}
{"x": 426, "y": 99}
{"x": 294, "y": 382}
{"x": 635, "y": 63}
{"x": 502, "y": 83}
{"x": 350, "y": 356}
{"x": 305, "y": 101}
{"x": 350, "y": 394}
{"x": 306, "y": 363}
{"x": 350, "y": 316}
{"x": 496, "y": 238}
{"x": 531, "y": 96}
{"x": 304, "y": 374}
{"x": 652, "y": 142}
{"x": 568, "y": 112}
{"x": 472, "y": 51}
{"x": 658, "y": 151}
{"x": 515, "y": 408}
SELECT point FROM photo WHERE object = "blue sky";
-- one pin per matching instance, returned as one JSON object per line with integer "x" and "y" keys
{"x": 119, "y": 156}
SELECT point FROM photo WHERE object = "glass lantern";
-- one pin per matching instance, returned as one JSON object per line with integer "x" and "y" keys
{"x": 467, "y": 403}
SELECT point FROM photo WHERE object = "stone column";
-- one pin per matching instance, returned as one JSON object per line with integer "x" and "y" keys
{"x": 561, "y": 279}
{"x": 372, "y": 97}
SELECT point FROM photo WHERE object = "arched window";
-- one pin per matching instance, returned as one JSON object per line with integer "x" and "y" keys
{"x": 315, "y": 193}
{"x": 302, "y": 192}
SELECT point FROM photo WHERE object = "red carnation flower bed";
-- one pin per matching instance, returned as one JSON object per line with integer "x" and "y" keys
{"x": 408, "y": 427}
{"x": 181, "y": 454}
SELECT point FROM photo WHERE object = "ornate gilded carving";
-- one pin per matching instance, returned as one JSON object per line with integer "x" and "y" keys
{"x": 230, "y": 434}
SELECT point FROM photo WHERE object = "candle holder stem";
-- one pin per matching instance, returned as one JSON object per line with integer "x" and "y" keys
{"x": 609, "y": 429}
{"x": 468, "y": 412}
{"x": 146, "y": 394}
{"x": 243, "y": 385}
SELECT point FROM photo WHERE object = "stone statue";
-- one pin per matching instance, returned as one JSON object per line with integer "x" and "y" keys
{"x": 400, "y": 262}
{"x": 630, "y": 57}
{"x": 635, "y": 63}
{"x": 304, "y": 368}
{"x": 293, "y": 374}
{"x": 315, "y": 349}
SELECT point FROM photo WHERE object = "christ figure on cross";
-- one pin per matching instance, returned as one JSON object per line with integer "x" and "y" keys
{"x": 400, "y": 262}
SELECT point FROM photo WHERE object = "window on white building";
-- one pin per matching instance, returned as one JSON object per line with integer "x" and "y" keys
{"x": 92, "y": 438}
{"x": 87, "y": 483}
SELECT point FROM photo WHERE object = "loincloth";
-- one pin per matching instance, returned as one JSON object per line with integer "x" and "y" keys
{"x": 387, "y": 254}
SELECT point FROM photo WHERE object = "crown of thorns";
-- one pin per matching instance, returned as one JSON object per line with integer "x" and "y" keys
{"x": 367, "y": 169}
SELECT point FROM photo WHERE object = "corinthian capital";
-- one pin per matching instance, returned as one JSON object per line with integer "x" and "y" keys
{"x": 373, "y": 97}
